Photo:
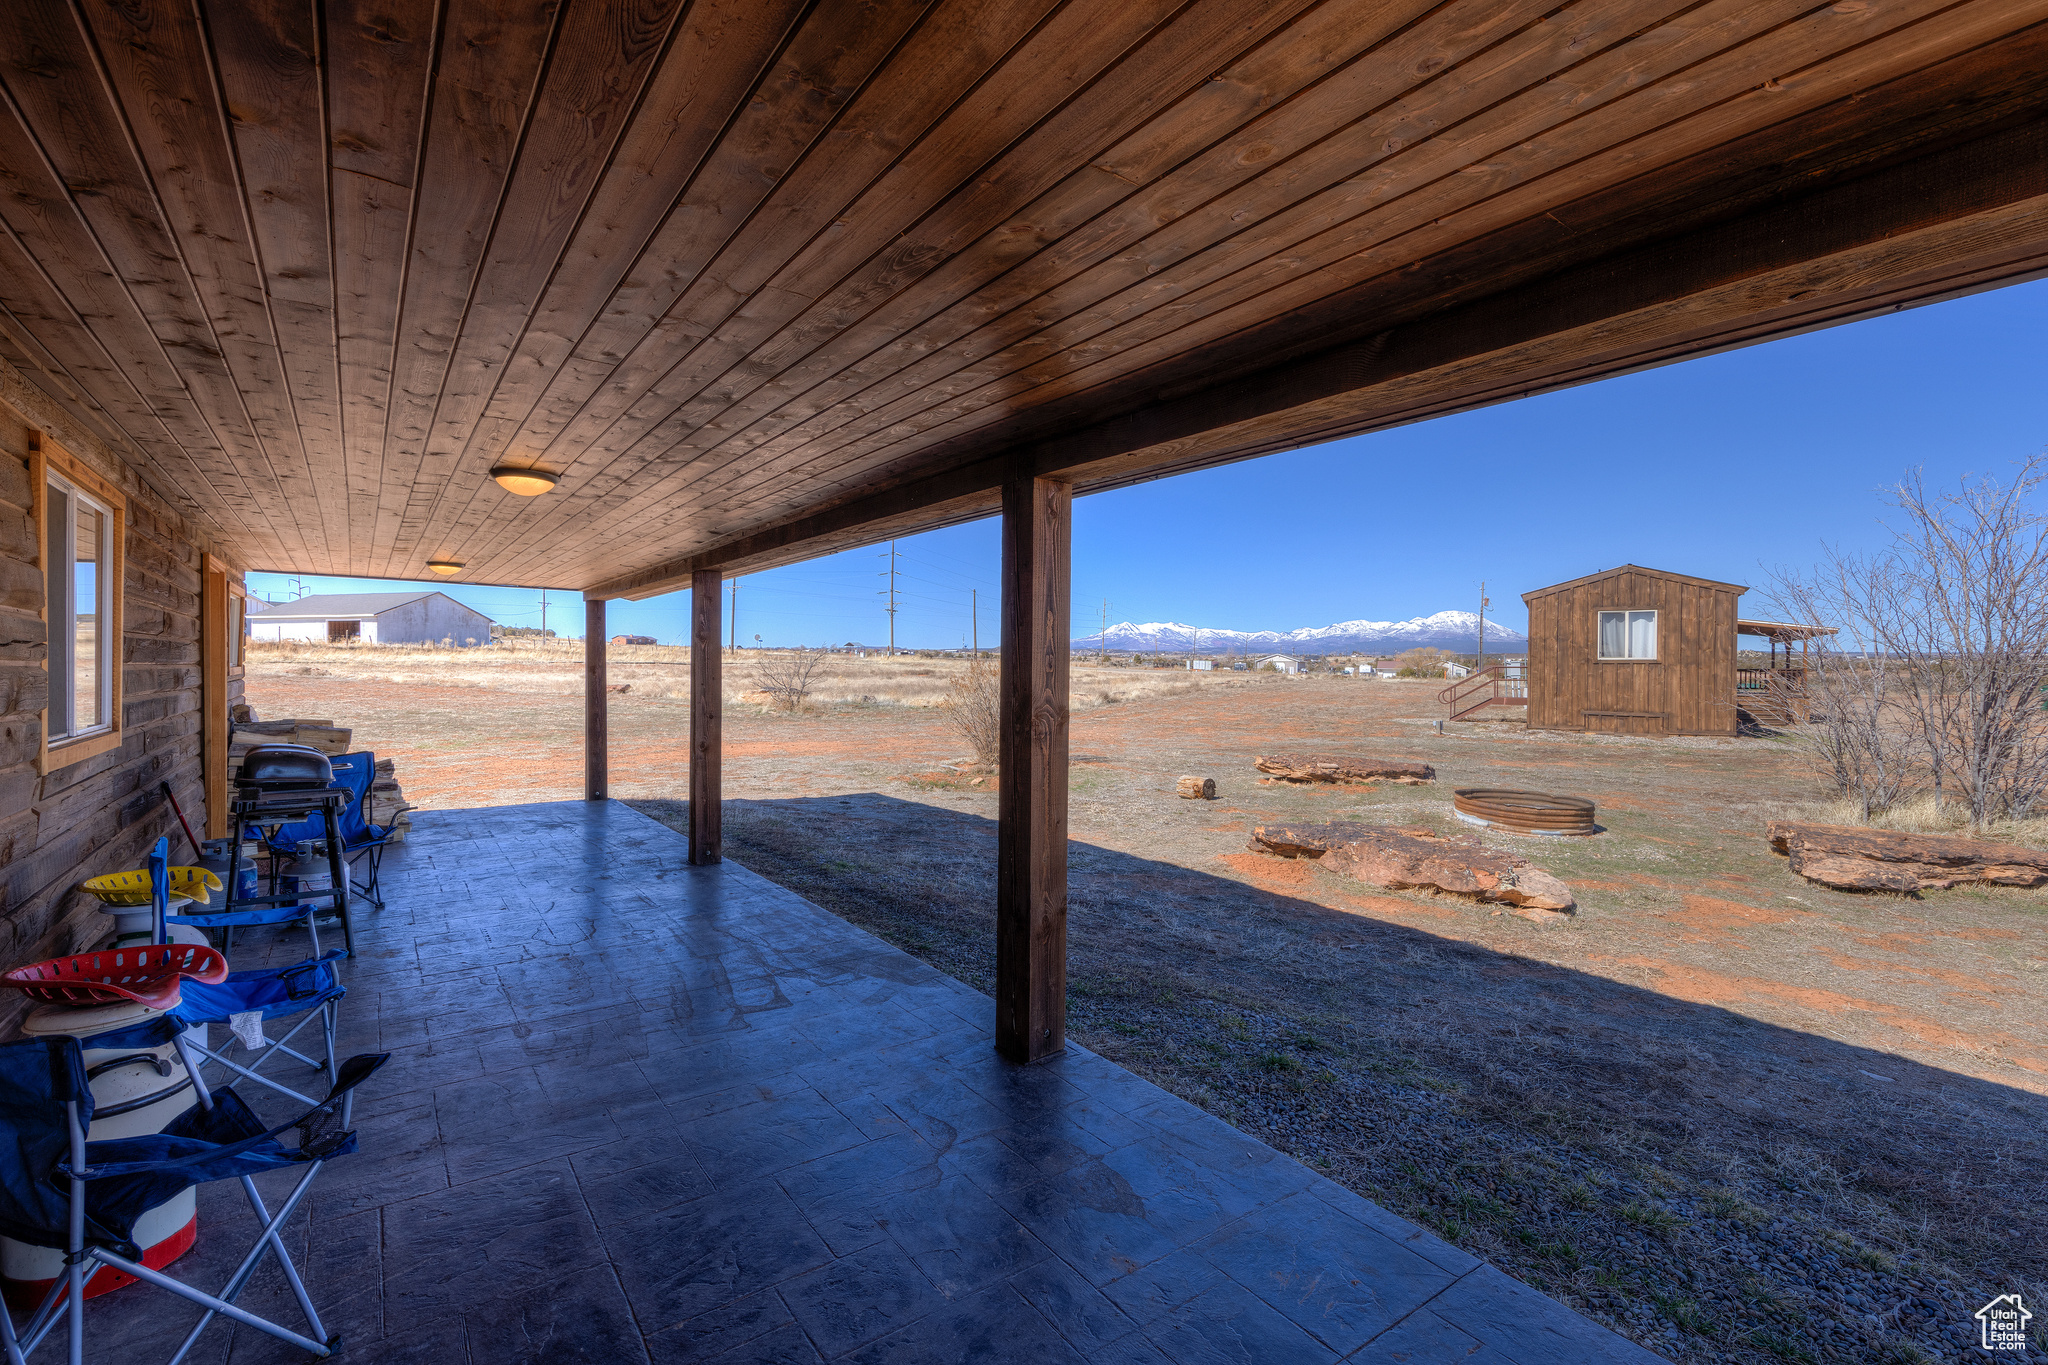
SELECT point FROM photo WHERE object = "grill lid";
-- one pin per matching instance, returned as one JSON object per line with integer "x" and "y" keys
{"x": 286, "y": 768}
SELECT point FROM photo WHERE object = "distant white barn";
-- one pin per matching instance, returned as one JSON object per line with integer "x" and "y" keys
{"x": 1280, "y": 663}
{"x": 392, "y": 618}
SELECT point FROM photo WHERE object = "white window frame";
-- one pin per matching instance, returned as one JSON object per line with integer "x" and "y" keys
{"x": 237, "y": 628}
{"x": 1628, "y": 614}
{"x": 50, "y": 468}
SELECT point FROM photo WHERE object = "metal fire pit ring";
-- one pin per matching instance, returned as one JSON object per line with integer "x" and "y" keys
{"x": 1520, "y": 812}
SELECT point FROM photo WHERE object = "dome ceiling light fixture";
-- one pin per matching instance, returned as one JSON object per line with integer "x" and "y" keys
{"x": 444, "y": 566}
{"x": 527, "y": 483}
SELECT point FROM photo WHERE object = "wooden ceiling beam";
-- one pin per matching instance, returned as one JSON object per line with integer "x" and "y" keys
{"x": 180, "y": 146}
{"x": 489, "y": 66}
{"x": 1225, "y": 289}
{"x": 1082, "y": 77}
{"x": 596, "y": 78}
{"x": 266, "y": 70}
{"x": 380, "y": 59}
{"x": 1950, "y": 221}
{"x": 1167, "y": 274}
{"x": 736, "y": 227}
{"x": 721, "y": 51}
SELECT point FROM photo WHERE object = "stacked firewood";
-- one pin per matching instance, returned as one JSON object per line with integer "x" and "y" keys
{"x": 387, "y": 800}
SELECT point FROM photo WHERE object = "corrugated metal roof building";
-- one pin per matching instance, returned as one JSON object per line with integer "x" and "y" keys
{"x": 373, "y": 617}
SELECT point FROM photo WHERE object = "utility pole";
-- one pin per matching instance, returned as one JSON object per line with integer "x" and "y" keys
{"x": 892, "y": 599}
{"x": 543, "y": 613}
{"x": 732, "y": 642}
{"x": 1482, "y": 623}
{"x": 974, "y": 608}
{"x": 1102, "y": 640}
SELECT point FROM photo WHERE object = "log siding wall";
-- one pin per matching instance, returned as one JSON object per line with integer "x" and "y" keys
{"x": 1689, "y": 689}
{"x": 100, "y": 814}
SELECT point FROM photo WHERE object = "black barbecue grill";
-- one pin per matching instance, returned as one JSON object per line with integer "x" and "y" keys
{"x": 270, "y": 769}
{"x": 278, "y": 785}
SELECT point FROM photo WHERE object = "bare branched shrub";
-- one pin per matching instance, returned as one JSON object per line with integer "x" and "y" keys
{"x": 788, "y": 678}
{"x": 1935, "y": 679}
{"x": 1424, "y": 661}
{"x": 972, "y": 704}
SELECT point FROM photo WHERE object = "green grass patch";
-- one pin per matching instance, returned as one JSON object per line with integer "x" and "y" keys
{"x": 1783, "y": 1347}
{"x": 1686, "y": 1312}
{"x": 1650, "y": 1217}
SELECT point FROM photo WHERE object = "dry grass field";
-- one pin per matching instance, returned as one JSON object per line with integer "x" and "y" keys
{"x": 1738, "y": 1117}
{"x": 555, "y": 668}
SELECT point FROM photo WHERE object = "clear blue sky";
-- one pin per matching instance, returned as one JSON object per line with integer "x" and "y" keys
{"x": 1726, "y": 466}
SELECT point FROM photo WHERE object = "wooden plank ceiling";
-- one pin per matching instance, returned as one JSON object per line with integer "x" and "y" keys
{"x": 762, "y": 277}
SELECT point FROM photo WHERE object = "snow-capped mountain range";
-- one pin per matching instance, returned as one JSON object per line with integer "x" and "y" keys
{"x": 1453, "y": 630}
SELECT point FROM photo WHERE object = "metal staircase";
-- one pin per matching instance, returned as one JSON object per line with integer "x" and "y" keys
{"x": 1493, "y": 685}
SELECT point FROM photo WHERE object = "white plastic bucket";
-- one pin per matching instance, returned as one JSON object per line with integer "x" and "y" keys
{"x": 134, "y": 1091}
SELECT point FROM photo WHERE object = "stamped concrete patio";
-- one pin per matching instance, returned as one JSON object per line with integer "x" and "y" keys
{"x": 640, "y": 1111}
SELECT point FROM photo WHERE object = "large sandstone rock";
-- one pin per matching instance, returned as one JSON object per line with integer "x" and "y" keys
{"x": 1402, "y": 858}
{"x": 1342, "y": 768}
{"x": 1857, "y": 858}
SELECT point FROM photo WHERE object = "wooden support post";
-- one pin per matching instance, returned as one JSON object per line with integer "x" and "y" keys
{"x": 707, "y": 693}
{"x": 596, "y": 716}
{"x": 1031, "y": 839}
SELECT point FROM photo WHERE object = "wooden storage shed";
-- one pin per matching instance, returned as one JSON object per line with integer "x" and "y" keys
{"x": 1633, "y": 651}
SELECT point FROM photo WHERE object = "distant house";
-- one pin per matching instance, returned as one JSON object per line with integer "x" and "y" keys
{"x": 1452, "y": 670}
{"x": 634, "y": 640}
{"x": 1279, "y": 663}
{"x": 373, "y": 617}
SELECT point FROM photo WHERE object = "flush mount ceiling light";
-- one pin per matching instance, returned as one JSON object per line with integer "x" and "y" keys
{"x": 527, "y": 483}
{"x": 444, "y": 566}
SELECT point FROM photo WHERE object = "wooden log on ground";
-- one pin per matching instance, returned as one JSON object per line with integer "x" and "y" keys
{"x": 1342, "y": 768}
{"x": 1402, "y": 858}
{"x": 1196, "y": 788}
{"x": 1857, "y": 858}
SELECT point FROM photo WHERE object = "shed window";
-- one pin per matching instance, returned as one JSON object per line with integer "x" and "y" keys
{"x": 1628, "y": 634}
{"x": 83, "y": 613}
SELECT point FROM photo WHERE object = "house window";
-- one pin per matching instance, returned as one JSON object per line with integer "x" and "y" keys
{"x": 81, "y": 525}
{"x": 1628, "y": 634}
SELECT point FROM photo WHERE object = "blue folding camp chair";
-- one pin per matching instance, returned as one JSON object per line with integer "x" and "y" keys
{"x": 308, "y": 988}
{"x": 362, "y": 839}
{"x": 59, "y": 1190}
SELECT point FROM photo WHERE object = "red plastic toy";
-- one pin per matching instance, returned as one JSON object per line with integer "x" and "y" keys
{"x": 149, "y": 975}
